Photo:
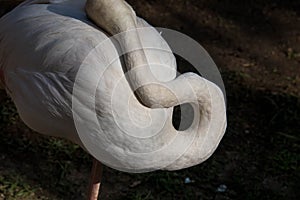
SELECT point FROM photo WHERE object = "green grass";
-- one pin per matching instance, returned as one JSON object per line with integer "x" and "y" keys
{"x": 14, "y": 186}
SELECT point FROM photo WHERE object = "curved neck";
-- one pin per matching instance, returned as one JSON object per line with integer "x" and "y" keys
{"x": 118, "y": 18}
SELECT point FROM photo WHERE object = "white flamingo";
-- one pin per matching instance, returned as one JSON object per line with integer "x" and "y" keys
{"x": 45, "y": 44}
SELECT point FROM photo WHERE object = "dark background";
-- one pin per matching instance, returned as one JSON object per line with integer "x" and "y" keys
{"x": 255, "y": 44}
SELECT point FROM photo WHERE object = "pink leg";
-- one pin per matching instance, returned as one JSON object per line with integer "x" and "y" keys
{"x": 95, "y": 180}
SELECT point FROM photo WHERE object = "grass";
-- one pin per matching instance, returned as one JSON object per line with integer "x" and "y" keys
{"x": 14, "y": 186}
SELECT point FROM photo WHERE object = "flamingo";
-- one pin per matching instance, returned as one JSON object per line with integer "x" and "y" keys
{"x": 66, "y": 78}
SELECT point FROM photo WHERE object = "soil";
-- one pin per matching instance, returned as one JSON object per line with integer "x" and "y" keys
{"x": 255, "y": 44}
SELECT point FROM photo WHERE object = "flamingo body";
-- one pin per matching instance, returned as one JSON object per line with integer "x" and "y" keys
{"x": 44, "y": 45}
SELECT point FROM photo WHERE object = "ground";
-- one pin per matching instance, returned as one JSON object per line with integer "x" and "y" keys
{"x": 255, "y": 44}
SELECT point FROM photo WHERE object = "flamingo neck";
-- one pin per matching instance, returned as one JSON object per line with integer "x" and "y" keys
{"x": 118, "y": 18}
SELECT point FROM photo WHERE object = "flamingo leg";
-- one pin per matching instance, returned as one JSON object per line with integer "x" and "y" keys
{"x": 95, "y": 180}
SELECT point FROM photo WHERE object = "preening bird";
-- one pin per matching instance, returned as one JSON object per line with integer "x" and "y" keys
{"x": 66, "y": 78}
